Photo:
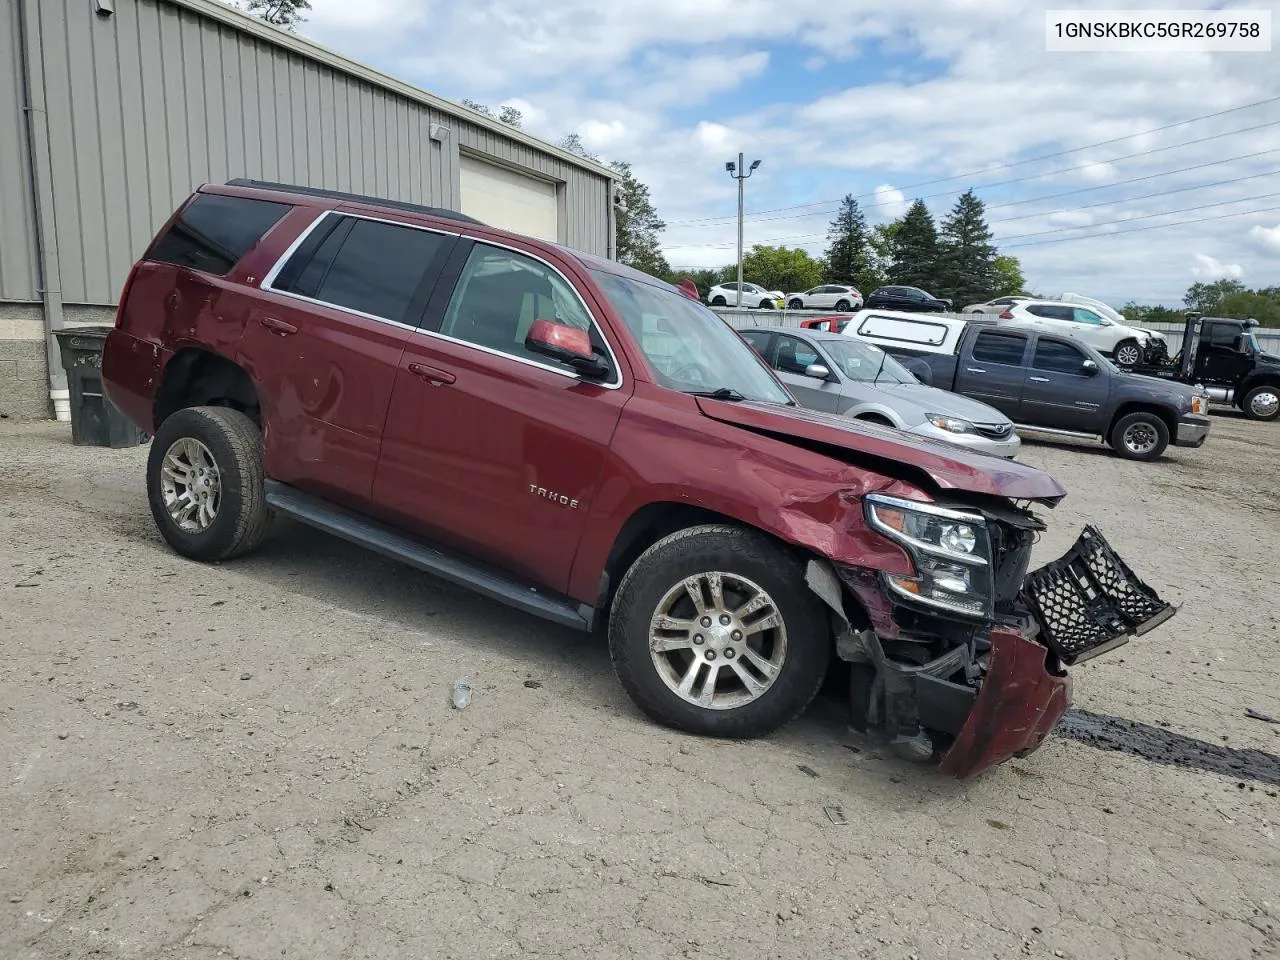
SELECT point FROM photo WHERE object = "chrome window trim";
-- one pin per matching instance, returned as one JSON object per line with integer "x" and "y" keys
{"x": 615, "y": 384}
{"x": 278, "y": 266}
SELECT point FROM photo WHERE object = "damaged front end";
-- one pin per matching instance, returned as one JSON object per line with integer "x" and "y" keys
{"x": 966, "y": 658}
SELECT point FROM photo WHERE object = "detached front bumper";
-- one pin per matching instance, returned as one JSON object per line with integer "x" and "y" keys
{"x": 1193, "y": 430}
{"x": 998, "y": 689}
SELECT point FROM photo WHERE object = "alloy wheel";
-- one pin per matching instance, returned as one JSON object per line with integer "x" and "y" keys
{"x": 191, "y": 485}
{"x": 718, "y": 640}
{"x": 1128, "y": 356}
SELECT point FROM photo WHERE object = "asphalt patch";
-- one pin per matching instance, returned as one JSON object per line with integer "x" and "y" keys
{"x": 1166, "y": 747}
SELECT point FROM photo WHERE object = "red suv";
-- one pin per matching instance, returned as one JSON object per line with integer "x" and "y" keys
{"x": 583, "y": 442}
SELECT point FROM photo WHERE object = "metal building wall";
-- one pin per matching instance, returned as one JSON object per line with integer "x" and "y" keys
{"x": 18, "y": 276}
{"x": 147, "y": 104}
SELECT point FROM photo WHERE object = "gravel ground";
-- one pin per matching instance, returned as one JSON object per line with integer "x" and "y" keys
{"x": 259, "y": 760}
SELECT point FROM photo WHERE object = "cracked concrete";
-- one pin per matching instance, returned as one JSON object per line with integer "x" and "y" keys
{"x": 155, "y": 804}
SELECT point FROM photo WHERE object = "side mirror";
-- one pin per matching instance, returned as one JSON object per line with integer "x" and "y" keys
{"x": 818, "y": 371}
{"x": 568, "y": 345}
{"x": 1090, "y": 368}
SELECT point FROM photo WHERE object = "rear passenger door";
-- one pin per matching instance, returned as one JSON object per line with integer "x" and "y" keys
{"x": 1059, "y": 392}
{"x": 323, "y": 343}
{"x": 993, "y": 370}
{"x": 490, "y": 448}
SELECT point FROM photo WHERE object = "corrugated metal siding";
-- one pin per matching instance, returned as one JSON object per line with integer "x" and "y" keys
{"x": 18, "y": 276}
{"x": 148, "y": 104}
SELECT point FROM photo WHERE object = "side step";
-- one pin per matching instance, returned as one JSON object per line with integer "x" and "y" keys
{"x": 443, "y": 563}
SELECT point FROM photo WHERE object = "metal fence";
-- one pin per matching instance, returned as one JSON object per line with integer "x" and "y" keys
{"x": 1268, "y": 338}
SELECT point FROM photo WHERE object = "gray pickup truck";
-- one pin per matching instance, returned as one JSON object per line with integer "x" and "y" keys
{"x": 1046, "y": 383}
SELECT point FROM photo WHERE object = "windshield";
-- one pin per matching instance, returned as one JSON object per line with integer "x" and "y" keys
{"x": 690, "y": 348}
{"x": 862, "y": 361}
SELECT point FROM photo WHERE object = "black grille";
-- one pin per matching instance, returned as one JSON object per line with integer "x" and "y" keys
{"x": 996, "y": 431}
{"x": 1089, "y": 601}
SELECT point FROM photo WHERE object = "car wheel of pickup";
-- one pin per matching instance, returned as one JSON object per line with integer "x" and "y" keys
{"x": 205, "y": 483}
{"x": 1128, "y": 353}
{"x": 714, "y": 631}
{"x": 1140, "y": 436}
{"x": 1262, "y": 403}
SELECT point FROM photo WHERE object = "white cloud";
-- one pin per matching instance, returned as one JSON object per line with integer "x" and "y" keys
{"x": 814, "y": 64}
{"x": 890, "y": 203}
{"x": 1071, "y": 218}
{"x": 603, "y": 135}
{"x": 1266, "y": 237}
{"x": 1213, "y": 269}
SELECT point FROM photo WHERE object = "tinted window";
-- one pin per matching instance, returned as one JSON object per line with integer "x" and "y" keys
{"x": 999, "y": 348}
{"x": 1052, "y": 313}
{"x": 916, "y": 294}
{"x": 1058, "y": 357}
{"x": 758, "y": 340}
{"x": 371, "y": 266}
{"x": 794, "y": 355}
{"x": 501, "y": 293}
{"x": 214, "y": 232}
{"x": 1222, "y": 334}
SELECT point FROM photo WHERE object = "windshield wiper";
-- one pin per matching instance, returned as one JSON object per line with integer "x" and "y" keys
{"x": 720, "y": 393}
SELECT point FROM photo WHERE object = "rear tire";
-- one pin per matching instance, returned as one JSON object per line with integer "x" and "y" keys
{"x": 659, "y": 642}
{"x": 1140, "y": 436}
{"x": 1262, "y": 403}
{"x": 206, "y": 485}
{"x": 843, "y": 306}
{"x": 1127, "y": 353}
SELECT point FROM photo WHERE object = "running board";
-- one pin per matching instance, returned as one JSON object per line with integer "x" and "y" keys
{"x": 438, "y": 561}
{"x": 1055, "y": 432}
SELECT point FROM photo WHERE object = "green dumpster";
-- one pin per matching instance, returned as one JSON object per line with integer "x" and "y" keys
{"x": 95, "y": 421}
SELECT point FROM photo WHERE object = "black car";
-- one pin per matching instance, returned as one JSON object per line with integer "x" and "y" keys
{"x": 907, "y": 298}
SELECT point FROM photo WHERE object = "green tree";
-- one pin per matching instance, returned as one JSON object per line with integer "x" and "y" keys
{"x": 851, "y": 257}
{"x": 966, "y": 256}
{"x": 884, "y": 241}
{"x": 573, "y": 143}
{"x": 1008, "y": 273}
{"x": 282, "y": 13}
{"x": 638, "y": 224}
{"x": 780, "y": 268}
{"x": 1207, "y": 297}
{"x": 508, "y": 115}
{"x": 1252, "y": 303}
{"x": 1141, "y": 315}
{"x": 915, "y": 249}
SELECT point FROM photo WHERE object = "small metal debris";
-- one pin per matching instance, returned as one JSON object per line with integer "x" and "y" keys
{"x": 1259, "y": 715}
{"x": 246, "y": 675}
{"x": 807, "y": 770}
{"x": 461, "y": 694}
{"x": 997, "y": 824}
{"x": 836, "y": 816}
{"x": 533, "y": 684}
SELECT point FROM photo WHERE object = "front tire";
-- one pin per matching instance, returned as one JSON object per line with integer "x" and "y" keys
{"x": 766, "y": 305}
{"x": 1140, "y": 436}
{"x": 713, "y": 631}
{"x": 1262, "y": 403}
{"x": 796, "y": 304}
{"x": 718, "y": 301}
{"x": 1128, "y": 353}
{"x": 206, "y": 485}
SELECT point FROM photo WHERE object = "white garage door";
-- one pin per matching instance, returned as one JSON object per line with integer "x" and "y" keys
{"x": 503, "y": 198}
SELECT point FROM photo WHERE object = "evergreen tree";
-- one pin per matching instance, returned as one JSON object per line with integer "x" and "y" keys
{"x": 966, "y": 263}
{"x": 850, "y": 256}
{"x": 638, "y": 224}
{"x": 915, "y": 249}
{"x": 283, "y": 13}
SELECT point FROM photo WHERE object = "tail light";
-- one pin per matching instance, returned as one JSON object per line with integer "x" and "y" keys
{"x": 1006, "y": 315}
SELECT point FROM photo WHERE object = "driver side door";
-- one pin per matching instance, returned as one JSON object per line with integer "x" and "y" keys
{"x": 791, "y": 356}
{"x": 490, "y": 448}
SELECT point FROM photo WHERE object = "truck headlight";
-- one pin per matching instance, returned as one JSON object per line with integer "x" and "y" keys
{"x": 951, "y": 551}
{"x": 949, "y": 424}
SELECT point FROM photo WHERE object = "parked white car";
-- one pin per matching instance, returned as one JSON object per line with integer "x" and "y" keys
{"x": 1127, "y": 345}
{"x": 997, "y": 306}
{"x": 829, "y": 296}
{"x": 726, "y": 295}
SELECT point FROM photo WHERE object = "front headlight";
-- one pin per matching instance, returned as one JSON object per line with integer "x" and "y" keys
{"x": 951, "y": 551}
{"x": 950, "y": 424}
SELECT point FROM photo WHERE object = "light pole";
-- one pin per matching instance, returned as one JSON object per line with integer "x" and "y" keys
{"x": 739, "y": 171}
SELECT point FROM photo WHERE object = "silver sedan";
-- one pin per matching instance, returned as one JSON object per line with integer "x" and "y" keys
{"x": 838, "y": 374}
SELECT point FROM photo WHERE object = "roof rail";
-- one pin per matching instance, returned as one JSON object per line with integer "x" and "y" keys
{"x": 354, "y": 198}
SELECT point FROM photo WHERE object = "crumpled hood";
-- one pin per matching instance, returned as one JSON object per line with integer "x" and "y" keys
{"x": 934, "y": 400}
{"x": 950, "y": 467}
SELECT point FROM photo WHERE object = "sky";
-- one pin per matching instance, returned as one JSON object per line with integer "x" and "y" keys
{"x": 887, "y": 101}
